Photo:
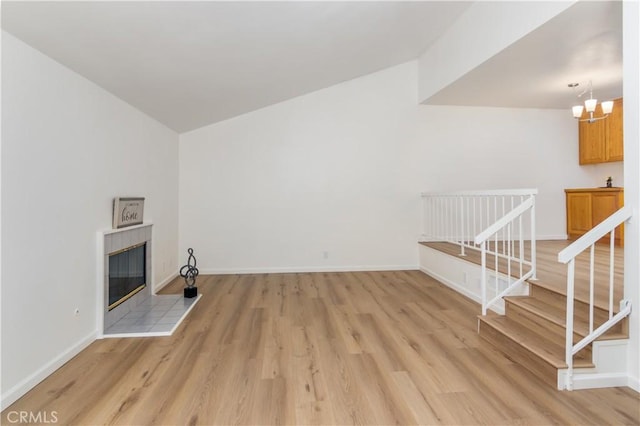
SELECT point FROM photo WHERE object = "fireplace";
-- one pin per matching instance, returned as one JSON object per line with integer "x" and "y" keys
{"x": 126, "y": 305}
{"x": 126, "y": 259}
{"x": 127, "y": 274}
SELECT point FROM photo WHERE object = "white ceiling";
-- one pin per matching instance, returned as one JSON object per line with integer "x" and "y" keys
{"x": 581, "y": 44}
{"x": 189, "y": 64}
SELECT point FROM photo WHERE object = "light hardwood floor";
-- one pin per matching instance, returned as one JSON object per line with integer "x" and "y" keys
{"x": 323, "y": 348}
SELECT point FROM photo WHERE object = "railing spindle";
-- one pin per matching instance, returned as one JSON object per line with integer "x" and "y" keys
{"x": 504, "y": 240}
{"x": 484, "y": 225}
{"x": 469, "y": 221}
{"x": 474, "y": 216}
{"x": 451, "y": 220}
{"x": 569, "y": 324}
{"x": 440, "y": 223}
{"x": 509, "y": 251}
{"x": 495, "y": 257}
{"x": 521, "y": 246}
{"x": 611, "y": 267}
{"x": 591, "y": 285}
{"x": 461, "y": 232}
{"x": 483, "y": 278}
{"x": 534, "y": 266}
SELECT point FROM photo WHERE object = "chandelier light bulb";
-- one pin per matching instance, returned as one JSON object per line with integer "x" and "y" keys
{"x": 577, "y": 111}
{"x": 607, "y": 107}
{"x": 590, "y": 104}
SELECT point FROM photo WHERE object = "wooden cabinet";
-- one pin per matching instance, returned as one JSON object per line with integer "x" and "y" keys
{"x": 615, "y": 140}
{"x": 601, "y": 141}
{"x": 587, "y": 207}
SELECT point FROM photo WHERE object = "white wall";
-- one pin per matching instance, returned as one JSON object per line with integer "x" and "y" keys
{"x": 340, "y": 170}
{"x": 68, "y": 147}
{"x": 331, "y": 171}
{"x": 485, "y": 148}
{"x": 631, "y": 46}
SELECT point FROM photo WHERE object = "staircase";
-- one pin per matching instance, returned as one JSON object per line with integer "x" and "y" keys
{"x": 559, "y": 327}
{"x": 532, "y": 331}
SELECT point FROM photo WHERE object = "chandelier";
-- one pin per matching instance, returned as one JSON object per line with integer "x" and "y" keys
{"x": 590, "y": 105}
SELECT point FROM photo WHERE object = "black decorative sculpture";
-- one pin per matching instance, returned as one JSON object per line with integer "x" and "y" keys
{"x": 189, "y": 272}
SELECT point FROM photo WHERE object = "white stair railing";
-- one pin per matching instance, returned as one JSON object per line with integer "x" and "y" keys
{"x": 489, "y": 221}
{"x": 568, "y": 257}
{"x": 507, "y": 223}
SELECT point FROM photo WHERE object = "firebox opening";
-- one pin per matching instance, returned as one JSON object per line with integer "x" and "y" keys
{"x": 127, "y": 273}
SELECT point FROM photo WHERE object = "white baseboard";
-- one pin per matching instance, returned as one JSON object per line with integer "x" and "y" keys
{"x": 13, "y": 394}
{"x": 598, "y": 380}
{"x": 633, "y": 383}
{"x": 304, "y": 269}
{"x": 164, "y": 282}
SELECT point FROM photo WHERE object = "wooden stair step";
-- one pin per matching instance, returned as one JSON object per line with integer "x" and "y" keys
{"x": 556, "y": 315}
{"x": 580, "y": 296}
{"x": 536, "y": 352}
{"x": 549, "y": 350}
{"x": 559, "y": 300}
{"x": 537, "y": 315}
{"x": 549, "y": 294}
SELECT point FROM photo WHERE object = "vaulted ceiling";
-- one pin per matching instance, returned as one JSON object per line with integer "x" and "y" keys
{"x": 581, "y": 44}
{"x": 189, "y": 64}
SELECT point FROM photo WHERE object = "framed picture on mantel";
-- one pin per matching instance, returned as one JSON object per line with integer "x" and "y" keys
{"x": 127, "y": 211}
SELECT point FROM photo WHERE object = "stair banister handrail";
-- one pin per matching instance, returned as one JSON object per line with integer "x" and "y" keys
{"x": 568, "y": 257}
{"x": 626, "y": 309}
{"x": 526, "y": 191}
{"x": 597, "y": 232}
{"x": 504, "y": 220}
{"x": 492, "y": 230}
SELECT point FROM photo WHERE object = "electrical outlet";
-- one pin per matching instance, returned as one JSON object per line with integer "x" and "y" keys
{"x": 325, "y": 254}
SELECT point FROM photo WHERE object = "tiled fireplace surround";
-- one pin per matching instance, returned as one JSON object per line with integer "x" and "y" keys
{"x": 119, "y": 239}
{"x": 143, "y": 314}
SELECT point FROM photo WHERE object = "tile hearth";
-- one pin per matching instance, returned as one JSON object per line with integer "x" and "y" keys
{"x": 157, "y": 315}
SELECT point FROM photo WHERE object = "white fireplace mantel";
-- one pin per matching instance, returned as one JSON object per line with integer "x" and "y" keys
{"x": 128, "y": 228}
